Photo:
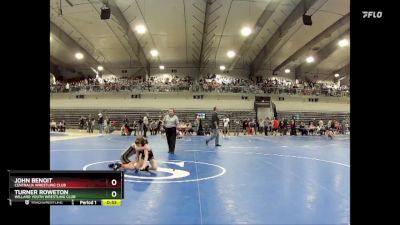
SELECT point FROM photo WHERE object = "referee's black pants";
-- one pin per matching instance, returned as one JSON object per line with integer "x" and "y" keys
{"x": 171, "y": 138}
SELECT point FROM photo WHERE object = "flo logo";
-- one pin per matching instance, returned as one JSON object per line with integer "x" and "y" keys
{"x": 169, "y": 172}
{"x": 372, "y": 14}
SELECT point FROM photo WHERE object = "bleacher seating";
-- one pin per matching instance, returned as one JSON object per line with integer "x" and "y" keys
{"x": 309, "y": 116}
{"x": 72, "y": 116}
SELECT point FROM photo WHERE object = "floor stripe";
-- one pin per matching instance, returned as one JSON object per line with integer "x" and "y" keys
{"x": 86, "y": 150}
{"x": 269, "y": 154}
{"x": 198, "y": 189}
{"x": 214, "y": 151}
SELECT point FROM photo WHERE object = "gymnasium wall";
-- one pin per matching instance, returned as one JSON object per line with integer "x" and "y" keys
{"x": 185, "y": 100}
{"x": 192, "y": 72}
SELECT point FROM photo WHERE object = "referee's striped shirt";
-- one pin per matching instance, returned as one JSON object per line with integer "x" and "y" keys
{"x": 171, "y": 121}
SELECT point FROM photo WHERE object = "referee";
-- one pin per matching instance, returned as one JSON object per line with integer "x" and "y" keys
{"x": 171, "y": 122}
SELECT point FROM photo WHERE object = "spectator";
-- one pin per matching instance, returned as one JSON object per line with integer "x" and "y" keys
{"x": 225, "y": 130}
{"x": 153, "y": 127}
{"x": 81, "y": 122}
{"x": 53, "y": 125}
{"x": 212, "y": 83}
{"x": 293, "y": 128}
{"x": 100, "y": 122}
{"x": 105, "y": 123}
{"x": 140, "y": 126}
{"x": 244, "y": 126}
{"x": 145, "y": 125}
{"x": 61, "y": 126}
{"x": 237, "y": 124}
{"x": 285, "y": 126}
{"x": 125, "y": 120}
{"x": 89, "y": 124}
{"x": 302, "y": 128}
{"x": 275, "y": 126}
{"x": 189, "y": 128}
{"x": 159, "y": 126}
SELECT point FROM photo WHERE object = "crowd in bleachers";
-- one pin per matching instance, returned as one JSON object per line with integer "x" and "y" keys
{"x": 103, "y": 123}
{"x": 60, "y": 127}
{"x": 235, "y": 126}
{"x": 282, "y": 127}
{"x": 209, "y": 83}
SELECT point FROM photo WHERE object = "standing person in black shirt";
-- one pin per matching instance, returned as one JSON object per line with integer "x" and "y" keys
{"x": 89, "y": 123}
{"x": 214, "y": 127}
{"x": 81, "y": 123}
{"x": 159, "y": 123}
{"x": 125, "y": 121}
{"x": 285, "y": 126}
{"x": 140, "y": 125}
{"x": 293, "y": 130}
{"x": 244, "y": 126}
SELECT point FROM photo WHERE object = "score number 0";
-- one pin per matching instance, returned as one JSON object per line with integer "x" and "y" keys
{"x": 113, "y": 183}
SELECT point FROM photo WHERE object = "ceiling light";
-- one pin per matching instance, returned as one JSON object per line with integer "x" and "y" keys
{"x": 222, "y": 68}
{"x": 343, "y": 42}
{"x": 79, "y": 56}
{"x": 154, "y": 53}
{"x": 140, "y": 29}
{"x": 310, "y": 59}
{"x": 231, "y": 54}
{"x": 246, "y": 31}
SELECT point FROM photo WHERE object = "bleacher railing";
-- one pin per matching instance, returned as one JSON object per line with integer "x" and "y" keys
{"x": 252, "y": 89}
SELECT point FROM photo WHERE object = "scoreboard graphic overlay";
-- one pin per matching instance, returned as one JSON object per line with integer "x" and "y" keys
{"x": 104, "y": 188}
